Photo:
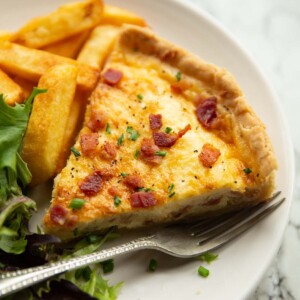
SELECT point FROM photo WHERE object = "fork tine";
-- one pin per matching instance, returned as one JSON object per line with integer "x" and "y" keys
{"x": 210, "y": 244}
{"x": 229, "y": 220}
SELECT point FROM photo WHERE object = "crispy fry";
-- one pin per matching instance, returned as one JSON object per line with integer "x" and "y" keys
{"x": 68, "y": 47}
{"x": 75, "y": 120}
{"x": 48, "y": 122}
{"x": 32, "y": 64}
{"x": 5, "y": 35}
{"x": 26, "y": 85}
{"x": 66, "y": 21}
{"x": 99, "y": 44}
{"x": 118, "y": 16}
{"x": 12, "y": 92}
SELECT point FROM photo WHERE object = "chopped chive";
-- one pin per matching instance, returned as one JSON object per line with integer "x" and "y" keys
{"x": 171, "y": 195}
{"x": 168, "y": 130}
{"x": 117, "y": 201}
{"x": 178, "y": 76}
{"x": 152, "y": 265}
{"x": 107, "y": 266}
{"x": 108, "y": 129}
{"x": 76, "y": 203}
{"x": 142, "y": 189}
{"x": 133, "y": 134}
{"x": 203, "y": 271}
{"x": 161, "y": 153}
{"x": 136, "y": 154}
{"x": 171, "y": 188}
{"x": 140, "y": 97}
{"x": 38, "y": 229}
{"x": 121, "y": 139}
{"x": 247, "y": 171}
{"x": 208, "y": 257}
{"x": 124, "y": 174}
{"x": 75, "y": 152}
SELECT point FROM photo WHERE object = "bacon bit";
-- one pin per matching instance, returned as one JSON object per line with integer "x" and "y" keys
{"x": 106, "y": 173}
{"x": 112, "y": 76}
{"x": 163, "y": 139}
{"x": 155, "y": 121}
{"x": 88, "y": 143}
{"x": 206, "y": 111}
{"x": 110, "y": 151}
{"x": 180, "y": 86}
{"x": 91, "y": 184}
{"x": 113, "y": 191}
{"x": 142, "y": 199}
{"x": 209, "y": 155}
{"x": 183, "y": 131}
{"x": 133, "y": 181}
{"x": 148, "y": 151}
{"x": 98, "y": 120}
{"x": 58, "y": 214}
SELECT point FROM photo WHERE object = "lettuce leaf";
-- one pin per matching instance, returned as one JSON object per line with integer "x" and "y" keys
{"x": 15, "y": 210}
{"x": 13, "y": 124}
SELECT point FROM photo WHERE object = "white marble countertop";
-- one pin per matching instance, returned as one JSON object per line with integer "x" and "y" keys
{"x": 270, "y": 30}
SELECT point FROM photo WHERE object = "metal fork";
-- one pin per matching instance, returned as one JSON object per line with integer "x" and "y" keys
{"x": 181, "y": 240}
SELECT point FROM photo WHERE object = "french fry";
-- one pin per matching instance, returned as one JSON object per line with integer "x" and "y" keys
{"x": 75, "y": 120}
{"x": 32, "y": 64}
{"x": 11, "y": 91}
{"x": 69, "y": 47}
{"x": 26, "y": 85}
{"x": 66, "y": 21}
{"x": 47, "y": 125}
{"x": 118, "y": 16}
{"x": 5, "y": 35}
{"x": 99, "y": 44}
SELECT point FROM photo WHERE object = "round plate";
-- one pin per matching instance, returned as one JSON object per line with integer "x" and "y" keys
{"x": 241, "y": 264}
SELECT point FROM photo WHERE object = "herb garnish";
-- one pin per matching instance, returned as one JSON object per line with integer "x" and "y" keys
{"x": 168, "y": 130}
{"x": 203, "y": 271}
{"x": 136, "y": 154}
{"x": 124, "y": 174}
{"x": 117, "y": 201}
{"x": 133, "y": 134}
{"x": 140, "y": 97}
{"x": 161, "y": 153}
{"x": 121, "y": 139}
{"x": 75, "y": 152}
{"x": 142, "y": 189}
{"x": 108, "y": 129}
{"x": 178, "y": 76}
{"x": 171, "y": 190}
{"x": 208, "y": 257}
{"x": 247, "y": 171}
{"x": 77, "y": 203}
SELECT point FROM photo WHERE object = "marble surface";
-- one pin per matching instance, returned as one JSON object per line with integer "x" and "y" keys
{"x": 270, "y": 30}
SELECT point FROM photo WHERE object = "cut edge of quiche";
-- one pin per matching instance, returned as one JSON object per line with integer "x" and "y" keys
{"x": 167, "y": 136}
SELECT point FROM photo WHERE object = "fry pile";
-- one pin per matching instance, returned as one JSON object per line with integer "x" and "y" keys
{"x": 64, "y": 53}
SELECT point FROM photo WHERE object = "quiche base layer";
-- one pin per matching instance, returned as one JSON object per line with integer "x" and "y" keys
{"x": 183, "y": 187}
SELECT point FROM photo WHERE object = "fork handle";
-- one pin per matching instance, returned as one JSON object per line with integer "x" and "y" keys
{"x": 11, "y": 282}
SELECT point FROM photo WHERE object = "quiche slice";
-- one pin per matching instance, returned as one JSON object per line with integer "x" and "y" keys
{"x": 167, "y": 136}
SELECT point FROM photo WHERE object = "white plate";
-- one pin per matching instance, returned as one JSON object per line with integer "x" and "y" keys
{"x": 242, "y": 263}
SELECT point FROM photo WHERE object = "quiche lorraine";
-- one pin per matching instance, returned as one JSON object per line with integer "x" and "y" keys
{"x": 167, "y": 137}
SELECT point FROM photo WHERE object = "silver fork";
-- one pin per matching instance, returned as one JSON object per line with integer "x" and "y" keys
{"x": 181, "y": 240}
